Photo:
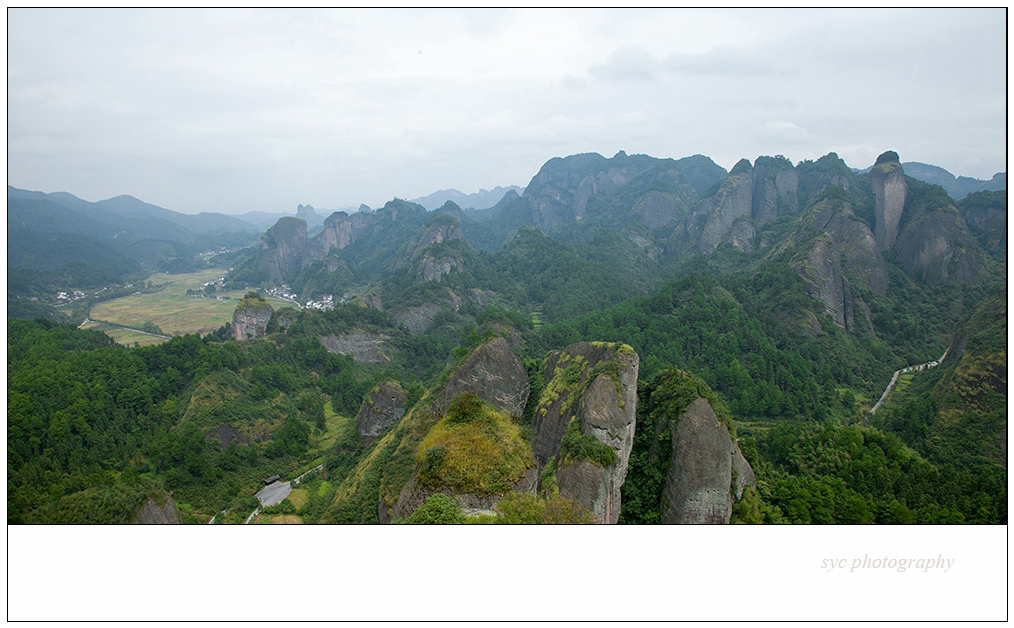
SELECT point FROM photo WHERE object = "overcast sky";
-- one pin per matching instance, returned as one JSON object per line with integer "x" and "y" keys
{"x": 232, "y": 111}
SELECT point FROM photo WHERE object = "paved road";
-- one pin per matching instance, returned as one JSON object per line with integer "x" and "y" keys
{"x": 907, "y": 369}
{"x": 252, "y": 515}
{"x": 274, "y": 494}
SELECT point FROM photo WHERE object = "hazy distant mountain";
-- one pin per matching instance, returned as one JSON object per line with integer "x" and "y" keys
{"x": 956, "y": 187}
{"x": 262, "y": 220}
{"x": 483, "y": 199}
{"x": 137, "y": 220}
{"x": 58, "y": 241}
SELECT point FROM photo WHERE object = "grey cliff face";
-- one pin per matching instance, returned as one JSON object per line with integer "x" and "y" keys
{"x": 281, "y": 248}
{"x": 937, "y": 246}
{"x": 604, "y": 405}
{"x": 656, "y": 210}
{"x": 862, "y": 260}
{"x": 251, "y": 322}
{"x": 699, "y": 486}
{"x": 732, "y": 202}
{"x": 748, "y": 197}
{"x": 340, "y": 231}
{"x": 560, "y": 192}
{"x": 383, "y": 406}
{"x": 889, "y": 189}
{"x": 775, "y": 190}
{"x": 824, "y": 281}
{"x": 434, "y": 268}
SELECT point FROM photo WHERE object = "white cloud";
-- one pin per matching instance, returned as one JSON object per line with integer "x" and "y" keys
{"x": 260, "y": 109}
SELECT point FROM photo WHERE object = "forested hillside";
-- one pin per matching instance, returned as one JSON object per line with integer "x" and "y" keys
{"x": 564, "y": 356}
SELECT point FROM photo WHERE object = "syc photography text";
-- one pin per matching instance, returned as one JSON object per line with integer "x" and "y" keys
{"x": 925, "y": 565}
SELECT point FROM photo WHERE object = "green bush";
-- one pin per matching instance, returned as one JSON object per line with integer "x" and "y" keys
{"x": 437, "y": 509}
{"x": 577, "y": 445}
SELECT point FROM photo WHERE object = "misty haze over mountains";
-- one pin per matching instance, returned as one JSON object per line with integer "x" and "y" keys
{"x": 957, "y": 186}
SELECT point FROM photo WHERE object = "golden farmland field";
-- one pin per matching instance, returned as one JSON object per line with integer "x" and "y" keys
{"x": 171, "y": 309}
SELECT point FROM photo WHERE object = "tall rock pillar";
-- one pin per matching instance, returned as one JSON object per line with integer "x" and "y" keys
{"x": 890, "y": 188}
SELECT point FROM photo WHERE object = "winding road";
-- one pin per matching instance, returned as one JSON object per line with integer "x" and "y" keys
{"x": 907, "y": 369}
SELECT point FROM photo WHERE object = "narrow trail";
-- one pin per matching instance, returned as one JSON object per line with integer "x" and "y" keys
{"x": 894, "y": 379}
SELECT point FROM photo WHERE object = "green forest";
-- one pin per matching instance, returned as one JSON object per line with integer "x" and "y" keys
{"x": 791, "y": 365}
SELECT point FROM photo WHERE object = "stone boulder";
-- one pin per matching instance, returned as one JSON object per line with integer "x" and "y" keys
{"x": 699, "y": 486}
{"x": 495, "y": 374}
{"x": 251, "y": 317}
{"x": 590, "y": 393}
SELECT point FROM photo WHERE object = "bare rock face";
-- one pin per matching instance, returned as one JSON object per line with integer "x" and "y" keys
{"x": 340, "y": 230}
{"x": 697, "y": 488}
{"x": 590, "y": 393}
{"x": 363, "y": 347}
{"x": 440, "y": 228}
{"x": 742, "y": 473}
{"x": 733, "y": 201}
{"x": 656, "y": 209}
{"x": 889, "y": 188}
{"x": 383, "y": 406}
{"x": 152, "y": 513}
{"x": 822, "y": 276}
{"x": 227, "y": 434}
{"x": 775, "y": 189}
{"x": 863, "y": 261}
{"x": 282, "y": 248}
{"x": 936, "y": 245}
{"x": 495, "y": 374}
{"x": 560, "y": 191}
{"x": 251, "y": 318}
{"x": 433, "y": 268}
